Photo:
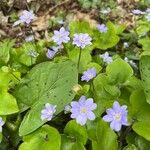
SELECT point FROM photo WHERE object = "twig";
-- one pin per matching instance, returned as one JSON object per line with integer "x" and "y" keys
{"x": 56, "y": 6}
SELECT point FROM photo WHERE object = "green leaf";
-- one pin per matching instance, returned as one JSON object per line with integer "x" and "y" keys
{"x": 46, "y": 83}
{"x": 8, "y": 104}
{"x": 77, "y": 131}
{"x": 140, "y": 110}
{"x": 5, "y": 48}
{"x": 45, "y": 138}
{"x": 104, "y": 137}
{"x": 119, "y": 71}
{"x": 80, "y": 27}
{"x": 142, "y": 128}
{"x": 106, "y": 40}
{"x": 103, "y": 89}
{"x": 69, "y": 143}
{"x": 22, "y": 54}
{"x": 145, "y": 71}
{"x": 145, "y": 42}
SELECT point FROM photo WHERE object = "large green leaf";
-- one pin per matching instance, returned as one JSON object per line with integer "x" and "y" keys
{"x": 140, "y": 110}
{"x": 119, "y": 71}
{"x": 45, "y": 138}
{"x": 45, "y": 83}
{"x": 103, "y": 138}
{"x": 145, "y": 71}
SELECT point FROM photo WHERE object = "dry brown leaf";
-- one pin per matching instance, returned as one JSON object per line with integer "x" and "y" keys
{"x": 3, "y": 19}
{"x": 85, "y": 17}
{"x": 41, "y": 23}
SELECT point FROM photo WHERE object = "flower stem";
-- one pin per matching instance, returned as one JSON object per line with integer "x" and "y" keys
{"x": 79, "y": 58}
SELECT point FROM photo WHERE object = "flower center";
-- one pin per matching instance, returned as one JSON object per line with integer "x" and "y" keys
{"x": 83, "y": 110}
{"x": 117, "y": 116}
{"x": 82, "y": 40}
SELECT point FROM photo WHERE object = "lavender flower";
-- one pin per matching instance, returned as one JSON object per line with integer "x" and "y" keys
{"x": 1, "y": 124}
{"x": 106, "y": 58}
{"x": 125, "y": 45}
{"x": 117, "y": 116}
{"x": 82, "y": 110}
{"x": 148, "y": 17}
{"x": 137, "y": 12}
{"x": 61, "y": 36}
{"x": 51, "y": 52}
{"x": 48, "y": 111}
{"x": 26, "y": 17}
{"x": 102, "y": 28}
{"x": 82, "y": 40}
{"x": 88, "y": 74}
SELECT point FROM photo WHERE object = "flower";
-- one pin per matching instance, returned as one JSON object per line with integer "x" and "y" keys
{"x": 29, "y": 38}
{"x": 148, "y": 17}
{"x": 48, "y": 111}
{"x": 105, "y": 11}
{"x": 61, "y": 36}
{"x": 125, "y": 45}
{"x": 82, "y": 110}
{"x": 82, "y": 40}
{"x": 1, "y": 123}
{"x": 67, "y": 109}
{"x": 131, "y": 62}
{"x": 148, "y": 10}
{"x": 88, "y": 74}
{"x": 137, "y": 12}
{"x": 51, "y": 52}
{"x": 33, "y": 53}
{"x": 117, "y": 116}
{"x": 106, "y": 58}
{"x": 102, "y": 28}
{"x": 26, "y": 17}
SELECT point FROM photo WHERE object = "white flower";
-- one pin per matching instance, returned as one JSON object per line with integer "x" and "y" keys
{"x": 125, "y": 45}
{"x": 105, "y": 11}
{"x": 106, "y": 58}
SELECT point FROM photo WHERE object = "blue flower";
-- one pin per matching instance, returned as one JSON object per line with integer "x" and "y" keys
{"x": 82, "y": 40}
{"x": 83, "y": 110}
{"x": 48, "y": 111}
{"x": 26, "y": 17}
{"x": 88, "y": 74}
{"x": 137, "y": 12}
{"x": 51, "y": 52}
{"x": 102, "y": 28}
{"x": 61, "y": 36}
{"x": 117, "y": 116}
